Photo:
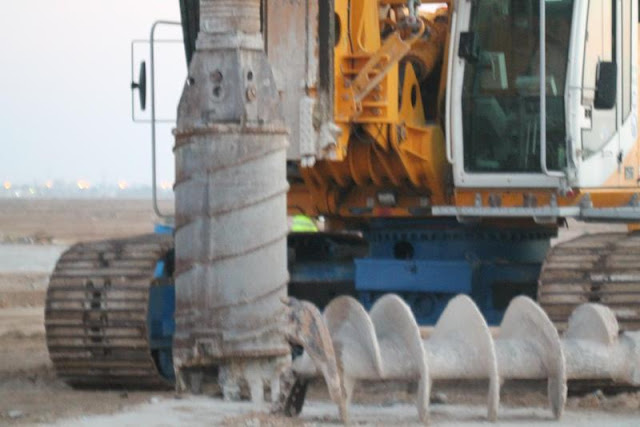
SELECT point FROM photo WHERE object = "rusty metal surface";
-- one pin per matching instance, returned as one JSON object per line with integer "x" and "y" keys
{"x": 299, "y": 39}
{"x": 96, "y": 313}
{"x": 293, "y": 392}
{"x": 309, "y": 330}
{"x": 229, "y": 237}
{"x": 230, "y": 248}
{"x": 286, "y": 40}
{"x": 231, "y": 265}
{"x": 599, "y": 268}
{"x": 222, "y": 16}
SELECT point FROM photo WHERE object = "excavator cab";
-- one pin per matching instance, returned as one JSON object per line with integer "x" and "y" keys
{"x": 501, "y": 88}
{"x": 588, "y": 110}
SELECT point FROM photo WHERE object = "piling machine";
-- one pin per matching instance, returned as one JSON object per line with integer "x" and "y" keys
{"x": 443, "y": 144}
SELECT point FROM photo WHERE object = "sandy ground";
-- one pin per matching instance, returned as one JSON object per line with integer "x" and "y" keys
{"x": 32, "y": 236}
{"x": 66, "y": 222}
{"x": 199, "y": 411}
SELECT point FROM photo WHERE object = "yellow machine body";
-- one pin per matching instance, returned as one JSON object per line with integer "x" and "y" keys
{"x": 388, "y": 158}
{"x": 386, "y": 143}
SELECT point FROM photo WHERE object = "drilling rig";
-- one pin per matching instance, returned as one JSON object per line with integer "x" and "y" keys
{"x": 443, "y": 143}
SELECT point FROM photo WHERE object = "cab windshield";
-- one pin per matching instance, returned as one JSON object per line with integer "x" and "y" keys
{"x": 501, "y": 93}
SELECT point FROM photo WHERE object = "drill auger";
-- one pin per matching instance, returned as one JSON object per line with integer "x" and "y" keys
{"x": 385, "y": 344}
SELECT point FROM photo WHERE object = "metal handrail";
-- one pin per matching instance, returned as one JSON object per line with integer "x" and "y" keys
{"x": 154, "y": 184}
{"x": 448, "y": 114}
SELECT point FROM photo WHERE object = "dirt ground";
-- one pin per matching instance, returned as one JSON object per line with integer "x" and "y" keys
{"x": 32, "y": 236}
{"x": 65, "y": 221}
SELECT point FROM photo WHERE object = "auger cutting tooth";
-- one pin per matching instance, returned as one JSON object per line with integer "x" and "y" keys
{"x": 308, "y": 330}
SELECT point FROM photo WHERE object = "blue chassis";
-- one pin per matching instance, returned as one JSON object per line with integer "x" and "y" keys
{"x": 428, "y": 262}
{"x": 425, "y": 262}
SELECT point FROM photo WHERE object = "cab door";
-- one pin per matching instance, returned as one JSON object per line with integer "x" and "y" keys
{"x": 607, "y": 153}
{"x": 495, "y": 113}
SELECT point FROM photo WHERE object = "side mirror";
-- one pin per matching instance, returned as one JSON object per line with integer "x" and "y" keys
{"x": 141, "y": 85}
{"x": 606, "y": 86}
{"x": 469, "y": 47}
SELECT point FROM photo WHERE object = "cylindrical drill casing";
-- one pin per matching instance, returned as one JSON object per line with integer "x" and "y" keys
{"x": 230, "y": 152}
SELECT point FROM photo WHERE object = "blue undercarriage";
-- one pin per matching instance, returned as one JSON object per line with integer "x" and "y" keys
{"x": 425, "y": 262}
{"x": 429, "y": 262}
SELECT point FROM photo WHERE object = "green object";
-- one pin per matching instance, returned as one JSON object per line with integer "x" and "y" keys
{"x": 303, "y": 224}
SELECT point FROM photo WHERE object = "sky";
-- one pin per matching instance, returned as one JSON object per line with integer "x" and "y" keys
{"x": 65, "y": 98}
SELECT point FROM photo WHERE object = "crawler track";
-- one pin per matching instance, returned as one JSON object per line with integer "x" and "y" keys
{"x": 96, "y": 314}
{"x": 600, "y": 268}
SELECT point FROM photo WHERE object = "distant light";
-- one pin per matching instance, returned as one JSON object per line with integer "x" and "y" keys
{"x": 49, "y": 184}
{"x": 83, "y": 185}
{"x": 123, "y": 185}
{"x": 7, "y": 185}
{"x": 32, "y": 191}
{"x": 165, "y": 185}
